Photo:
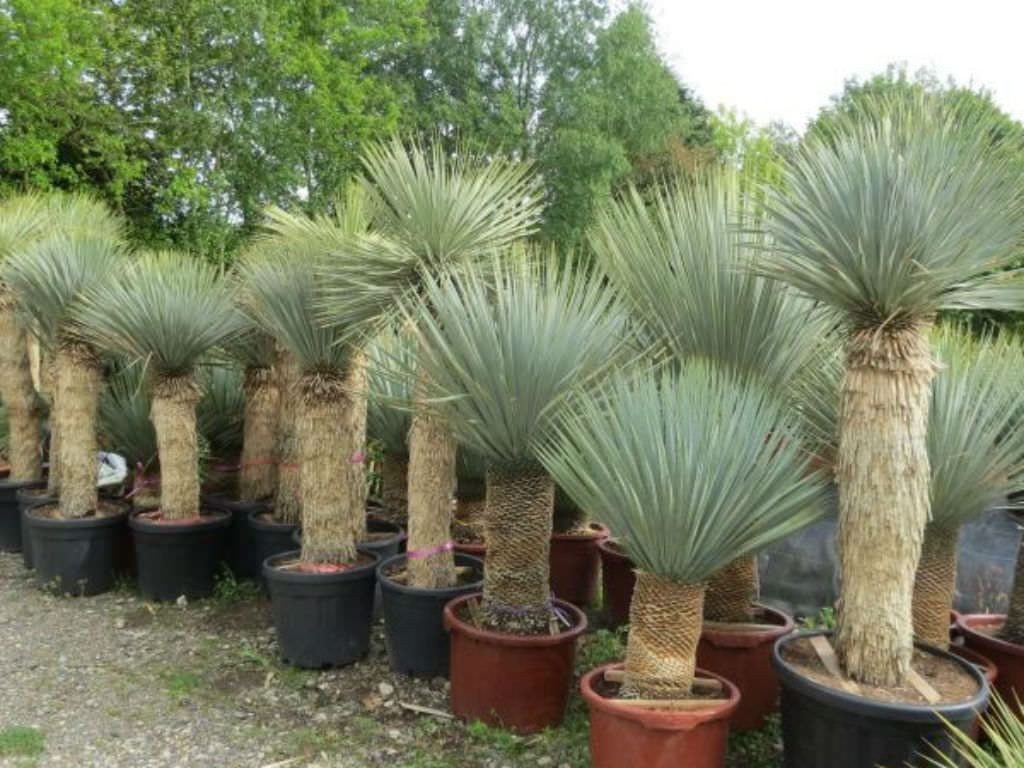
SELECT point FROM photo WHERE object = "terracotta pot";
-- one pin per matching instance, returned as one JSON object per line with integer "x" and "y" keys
{"x": 511, "y": 681}
{"x": 476, "y": 550}
{"x": 622, "y": 736}
{"x": 1007, "y": 657}
{"x": 617, "y": 582}
{"x": 987, "y": 667}
{"x": 745, "y": 658}
{"x": 575, "y": 564}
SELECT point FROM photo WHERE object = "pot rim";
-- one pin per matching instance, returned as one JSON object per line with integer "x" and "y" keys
{"x": 990, "y": 668}
{"x": 660, "y": 719}
{"x": 107, "y": 521}
{"x": 966, "y": 622}
{"x": 253, "y": 518}
{"x": 452, "y": 623}
{"x": 476, "y": 550}
{"x": 216, "y": 519}
{"x": 224, "y": 501}
{"x": 864, "y": 707}
{"x": 610, "y": 546}
{"x": 735, "y": 639}
{"x": 6, "y": 484}
{"x": 386, "y": 526}
{"x": 599, "y": 532}
{"x": 387, "y": 583}
{"x": 359, "y": 571}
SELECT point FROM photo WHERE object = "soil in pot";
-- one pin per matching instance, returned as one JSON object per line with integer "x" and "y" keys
{"x": 266, "y": 537}
{"x": 414, "y": 618}
{"x": 743, "y": 655}
{"x": 617, "y": 582}
{"x": 76, "y": 557}
{"x": 26, "y": 499}
{"x": 624, "y": 734}
{"x": 178, "y": 557}
{"x": 10, "y": 514}
{"x": 825, "y": 725}
{"x": 575, "y": 563}
{"x": 981, "y": 633}
{"x": 518, "y": 682}
{"x": 322, "y": 616}
{"x": 237, "y": 544}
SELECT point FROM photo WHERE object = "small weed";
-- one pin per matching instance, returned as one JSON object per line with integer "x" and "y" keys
{"x": 228, "y": 590}
{"x": 498, "y": 739}
{"x": 180, "y": 684}
{"x": 21, "y": 741}
{"x": 757, "y": 749}
{"x": 290, "y": 677}
{"x": 314, "y": 741}
{"x": 826, "y": 619}
{"x": 601, "y": 647}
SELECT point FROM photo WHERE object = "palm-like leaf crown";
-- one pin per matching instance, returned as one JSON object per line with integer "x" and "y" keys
{"x": 78, "y": 214}
{"x": 21, "y": 221}
{"x": 975, "y": 440}
{"x": 502, "y": 344}
{"x": 220, "y": 414}
{"x": 693, "y": 469}
{"x": 124, "y": 423}
{"x": 907, "y": 208}
{"x": 389, "y": 409}
{"x": 683, "y": 266}
{"x": 165, "y": 308}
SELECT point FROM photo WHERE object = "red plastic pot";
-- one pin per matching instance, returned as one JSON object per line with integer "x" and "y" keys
{"x": 745, "y": 658}
{"x": 622, "y": 736}
{"x": 617, "y": 581}
{"x": 1007, "y": 657}
{"x": 476, "y": 550}
{"x": 575, "y": 564}
{"x": 988, "y": 668}
{"x": 511, "y": 681}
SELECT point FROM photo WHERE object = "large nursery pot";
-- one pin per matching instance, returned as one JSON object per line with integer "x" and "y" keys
{"x": 575, "y": 564}
{"x": 26, "y": 499}
{"x": 77, "y": 557}
{"x": 322, "y": 619}
{"x": 10, "y": 515}
{"x": 236, "y": 540}
{"x": 617, "y": 581}
{"x": 266, "y": 537}
{"x": 177, "y": 559}
{"x": 511, "y": 681}
{"x": 744, "y": 656}
{"x": 385, "y": 538}
{"x": 622, "y": 735}
{"x": 987, "y": 667}
{"x": 977, "y": 630}
{"x": 413, "y": 617}
{"x": 824, "y": 727}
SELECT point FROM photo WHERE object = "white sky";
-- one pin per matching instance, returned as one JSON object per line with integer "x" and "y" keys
{"x": 782, "y": 59}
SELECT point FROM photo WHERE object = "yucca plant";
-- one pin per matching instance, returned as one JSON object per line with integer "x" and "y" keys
{"x": 256, "y": 352}
{"x": 50, "y": 280}
{"x": 433, "y": 213}
{"x": 500, "y": 346}
{"x": 389, "y": 415}
{"x": 900, "y": 213}
{"x": 683, "y": 264}
{"x": 167, "y": 310}
{"x": 1002, "y": 746}
{"x": 976, "y": 449}
{"x": 220, "y": 412}
{"x": 125, "y": 427}
{"x": 693, "y": 469}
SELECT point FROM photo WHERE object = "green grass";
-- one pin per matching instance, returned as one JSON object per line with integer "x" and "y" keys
{"x": 228, "y": 590}
{"x": 757, "y": 749}
{"x": 21, "y": 741}
{"x": 179, "y": 684}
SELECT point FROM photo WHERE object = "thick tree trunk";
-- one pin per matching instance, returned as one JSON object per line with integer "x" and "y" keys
{"x": 935, "y": 586}
{"x": 732, "y": 591}
{"x": 357, "y": 485}
{"x": 19, "y": 397}
{"x": 331, "y": 432}
{"x": 1013, "y": 631}
{"x": 394, "y": 483}
{"x": 288, "y": 500}
{"x": 519, "y": 506}
{"x": 664, "y": 629}
{"x": 55, "y": 474}
{"x": 174, "y": 417}
{"x": 431, "y": 485}
{"x": 79, "y": 379}
{"x": 258, "y": 475}
{"x": 883, "y": 475}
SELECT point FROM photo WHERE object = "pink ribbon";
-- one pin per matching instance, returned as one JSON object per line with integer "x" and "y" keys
{"x": 417, "y": 554}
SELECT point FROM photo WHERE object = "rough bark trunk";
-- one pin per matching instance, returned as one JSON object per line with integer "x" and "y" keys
{"x": 79, "y": 379}
{"x": 394, "y": 483}
{"x": 883, "y": 475}
{"x": 55, "y": 472}
{"x": 1013, "y": 630}
{"x": 19, "y": 397}
{"x": 357, "y": 483}
{"x": 431, "y": 486}
{"x": 288, "y": 500}
{"x": 258, "y": 475}
{"x": 174, "y": 418}
{"x": 520, "y": 503}
{"x": 664, "y": 629}
{"x": 935, "y": 586}
{"x": 732, "y": 591}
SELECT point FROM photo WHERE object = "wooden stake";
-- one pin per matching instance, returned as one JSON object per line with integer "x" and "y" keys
{"x": 828, "y": 657}
{"x": 923, "y": 687}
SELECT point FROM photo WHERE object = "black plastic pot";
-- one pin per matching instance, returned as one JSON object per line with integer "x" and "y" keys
{"x": 175, "y": 559}
{"x": 28, "y": 498}
{"x": 384, "y": 546}
{"x": 414, "y": 619}
{"x": 236, "y": 542}
{"x": 266, "y": 538}
{"x": 824, "y": 727}
{"x": 10, "y": 515}
{"x": 75, "y": 557}
{"x": 322, "y": 619}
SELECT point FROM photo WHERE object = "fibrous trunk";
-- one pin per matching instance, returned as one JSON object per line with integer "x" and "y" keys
{"x": 664, "y": 630}
{"x": 258, "y": 474}
{"x": 288, "y": 500}
{"x": 19, "y": 398}
{"x": 174, "y": 418}
{"x": 431, "y": 484}
{"x": 732, "y": 591}
{"x": 519, "y": 506}
{"x": 883, "y": 475}
{"x": 1013, "y": 630}
{"x": 54, "y": 472}
{"x": 331, "y": 433}
{"x": 935, "y": 586}
{"x": 78, "y": 383}
{"x": 394, "y": 483}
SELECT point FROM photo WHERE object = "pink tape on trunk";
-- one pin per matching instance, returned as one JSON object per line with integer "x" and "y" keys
{"x": 416, "y": 554}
